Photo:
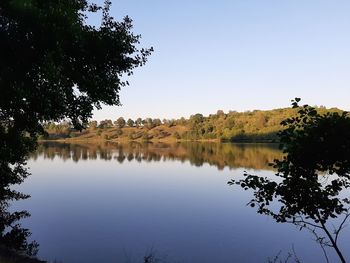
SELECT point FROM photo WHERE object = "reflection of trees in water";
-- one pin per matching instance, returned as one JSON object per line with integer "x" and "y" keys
{"x": 13, "y": 237}
{"x": 221, "y": 155}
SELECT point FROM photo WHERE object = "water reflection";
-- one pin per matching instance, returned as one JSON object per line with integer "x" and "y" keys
{"x": 109, "y": 202}
{"x": 221, "y": 155}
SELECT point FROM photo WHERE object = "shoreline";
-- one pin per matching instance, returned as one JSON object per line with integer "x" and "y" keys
{"x": 99, "y": 140}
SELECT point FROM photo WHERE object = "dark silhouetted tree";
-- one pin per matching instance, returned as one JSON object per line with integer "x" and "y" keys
{"x": 54, "y": 66}
{"x": 312, "y": 177}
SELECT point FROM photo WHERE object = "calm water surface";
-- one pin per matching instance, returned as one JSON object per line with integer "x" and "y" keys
{"x": 119, "y": 202}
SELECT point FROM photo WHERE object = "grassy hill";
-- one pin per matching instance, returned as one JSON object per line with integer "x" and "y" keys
{"x": 249, "y": 126}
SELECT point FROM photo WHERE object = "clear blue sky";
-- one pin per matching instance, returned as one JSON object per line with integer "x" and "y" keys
{"x": 235, "y": 55}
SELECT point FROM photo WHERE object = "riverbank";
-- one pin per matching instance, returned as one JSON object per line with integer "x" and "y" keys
{"x": 250, "y": 126}
{"x": 161, "y": 133}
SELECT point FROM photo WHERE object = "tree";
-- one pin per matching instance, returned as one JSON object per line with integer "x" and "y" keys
{"x": 181, "y": 121}
{"x": 53, "y": 67}
{"x": 148, "y": 123}
{"x": 120, "y": 122}
{"x": 313, "y": 176}
{"x": 197, "y": 118}
{"x": 130, "y": 123}
{"x": 105, "y": 124}
{"x": 220, "y": 113}
{"x": 138, "y": 122}
{"x": 93, "y": 125}
{"x": 157, "y": 122}
{"x": 169, "y": 123}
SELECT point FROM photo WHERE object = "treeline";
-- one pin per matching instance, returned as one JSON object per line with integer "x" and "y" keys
{"x": 254, "y": 125}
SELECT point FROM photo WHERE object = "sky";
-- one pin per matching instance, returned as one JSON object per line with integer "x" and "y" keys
{"x": 234, "y": 55}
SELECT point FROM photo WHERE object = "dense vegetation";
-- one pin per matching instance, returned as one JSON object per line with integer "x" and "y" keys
{"x": 53, "y": 66}
{"x": 311, "y": 186}
{"x": 256, "y": 125}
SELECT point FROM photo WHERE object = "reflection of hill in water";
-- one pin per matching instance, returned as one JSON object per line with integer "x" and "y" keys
{"x": 253, "y": 156}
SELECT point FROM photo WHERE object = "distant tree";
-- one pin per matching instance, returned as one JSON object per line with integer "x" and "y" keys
{"x": 120, "y": 122}
{"x": 148, "y": 123}
{"x": 171, "y": 123}
{"x": 181, "y": 121}
{"x": 105, "y": 124}
{"x": 195, "y": 124}
{"x": 197, "y": 118}
{"x": 220, "y": 113}
{"x": 93, "y": 125}
{"x": 130, "y": 123}
{"x": 312, "y": 178}
{"x": 157, "y": 122}
{"x": 138, "y": 122}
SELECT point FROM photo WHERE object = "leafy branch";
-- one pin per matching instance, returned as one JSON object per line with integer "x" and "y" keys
{"x": 311, "y": 178}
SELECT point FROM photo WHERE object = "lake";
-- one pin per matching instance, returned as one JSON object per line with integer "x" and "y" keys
{"x": 114, "y": 202}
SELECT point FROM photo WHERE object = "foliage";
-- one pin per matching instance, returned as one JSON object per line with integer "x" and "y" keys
{"x": 92, "y": 125}
{"x": 105, "y": 124}
{"x": 54, "y": 67}
{"x": 130, "y": 123}
{"x": 120, "y": 122}
{"x": 138, "y": 122}
{"x": 254, "y": 126}
{"x": 313, "y": 175}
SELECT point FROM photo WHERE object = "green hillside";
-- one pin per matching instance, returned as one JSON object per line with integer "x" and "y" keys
{"x": 249, "y": 126}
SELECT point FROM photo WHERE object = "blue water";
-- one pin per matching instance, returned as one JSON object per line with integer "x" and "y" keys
{"x": 104, "y": 210}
